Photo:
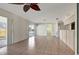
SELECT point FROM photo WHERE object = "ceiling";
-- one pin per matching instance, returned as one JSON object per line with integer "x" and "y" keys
{"x": 48, "y": 14}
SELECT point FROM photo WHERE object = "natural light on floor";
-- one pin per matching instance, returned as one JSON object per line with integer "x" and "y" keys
{"x": 31, "y": 42}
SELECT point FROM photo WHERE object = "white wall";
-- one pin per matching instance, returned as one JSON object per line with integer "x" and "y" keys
{"x": 63, "y": 36}
{"x": 71, "y": 39}
{"x": 16, "y": 25}
{"x": 68, "y": 37}
{"x": 20, "y": 29}
{"x": 66, "y": 34}
{"x": 55, "y": 28}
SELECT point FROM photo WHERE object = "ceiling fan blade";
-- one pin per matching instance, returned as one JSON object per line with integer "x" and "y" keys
{"x": 18, "y": 3}
{"x": 26, "y": 8}
{"x": 34, "y": 3}
{"x": 35, "y": 7}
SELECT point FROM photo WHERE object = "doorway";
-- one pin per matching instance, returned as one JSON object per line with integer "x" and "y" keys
{"x": 31, "y": 30}
{"x": 3, "y": 31}
{"x": 31, "y": 41}
{"x": 47, "y": 30}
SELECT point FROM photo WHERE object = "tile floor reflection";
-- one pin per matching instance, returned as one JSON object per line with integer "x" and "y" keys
{"x": 31, "y": 42}
{"x": 3, "y": 51}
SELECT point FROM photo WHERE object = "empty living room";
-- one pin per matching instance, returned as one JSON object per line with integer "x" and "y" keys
{"x": 38, "y": 28}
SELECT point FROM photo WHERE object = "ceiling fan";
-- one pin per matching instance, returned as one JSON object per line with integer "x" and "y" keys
{"x": 27, "y": 6}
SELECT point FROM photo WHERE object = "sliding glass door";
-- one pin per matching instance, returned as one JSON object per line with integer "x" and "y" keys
{"x": 3, "y": 31}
